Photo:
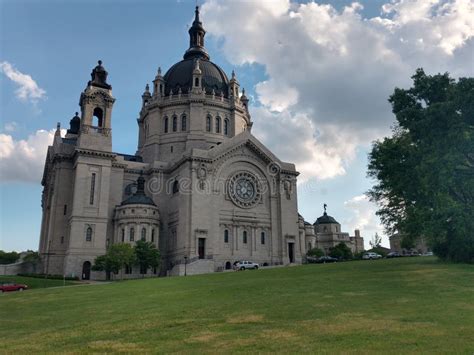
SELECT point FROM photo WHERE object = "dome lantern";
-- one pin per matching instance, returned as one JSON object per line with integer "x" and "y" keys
{"x": 196, "y": 39}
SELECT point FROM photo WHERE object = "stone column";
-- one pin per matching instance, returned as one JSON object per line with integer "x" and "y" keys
{"x": 235, "y": 237}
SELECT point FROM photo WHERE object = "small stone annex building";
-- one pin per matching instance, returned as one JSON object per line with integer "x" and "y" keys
{"x": 326, "y": 233}
{"x": 200, "y": 186}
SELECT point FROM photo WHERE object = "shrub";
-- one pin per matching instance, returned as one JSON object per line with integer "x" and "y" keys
{"x": 315, "y": 252}
{"x": 341, "y": 251}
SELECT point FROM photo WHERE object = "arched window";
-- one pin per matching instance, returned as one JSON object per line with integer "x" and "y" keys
{"x": 143, "y": 233}
{"x": 98, "y": 117}
{"x": 165, "y": 124}
{"x": 244, "y": 237}
{"x": 175, "y": 123}
{"x": 309, "y": 246}
{"x": 208, "y": 123}
{"x": 226, "y": 127}
{"x": 183, "y": 123}
{"x": 262, "y": 237}
{"x": 226, "y": 236}
{"x": 123, "y": 235}
{"x": 132, "y": 234}
{"x": 88, "y": 234}
{"x": 196, "y": 82}
{"x": 218, "y": 124}
{"x": 153, "y": 235}
{"x": 175, "y": 186}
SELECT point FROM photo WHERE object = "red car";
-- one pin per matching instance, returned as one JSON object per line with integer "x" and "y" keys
{"x": 11, "y": 286}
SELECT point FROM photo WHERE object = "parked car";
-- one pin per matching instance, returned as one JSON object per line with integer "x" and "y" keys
{"x": 244, "y": 265}
{"x": 394, "y": 254}
{"x": 371, "y": 255}
{"x": 11, "y": 286}
{"x": 429, "y": 253}
{"x": 320, "y": 260}
{"x": 326, "y": 259}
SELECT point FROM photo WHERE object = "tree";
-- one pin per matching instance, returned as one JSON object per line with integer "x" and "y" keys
{"x": 424, "y": 173}
{"x": 315, "y": 252}
{"x": 340, "y": 251}
{"x": 117, "y": 257}
{"x": 8, "y": 257}
{"x": 146, "y": 255}
{"x": 376, "y": 241}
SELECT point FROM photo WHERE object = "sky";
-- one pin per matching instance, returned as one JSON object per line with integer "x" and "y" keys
{"x": 318, "y": 75}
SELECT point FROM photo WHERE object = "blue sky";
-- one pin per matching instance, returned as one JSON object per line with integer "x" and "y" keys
{"x": 333, "y": 46}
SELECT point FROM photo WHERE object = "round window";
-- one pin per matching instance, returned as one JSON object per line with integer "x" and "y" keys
{"x": 244, "y": 189}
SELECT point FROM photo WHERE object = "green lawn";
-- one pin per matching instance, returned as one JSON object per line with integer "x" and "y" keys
{"x": 407, "y": 305}
{"x": 34, "y": 282}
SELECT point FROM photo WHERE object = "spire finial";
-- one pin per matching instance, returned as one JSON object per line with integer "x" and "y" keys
{"x": 58, "y": 130}
{"x": 233, "y": 74}
{"x": 159, "y": 70}
{"x": 196, "y": 14}
{"x": 147, "y": 88}
{"x": 77, "y": 113}
{"x": 99, "y": 62}
{"x": 325, "y": 206}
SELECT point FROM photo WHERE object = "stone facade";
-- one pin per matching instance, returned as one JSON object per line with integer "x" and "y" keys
{"x": 420, "y": 247}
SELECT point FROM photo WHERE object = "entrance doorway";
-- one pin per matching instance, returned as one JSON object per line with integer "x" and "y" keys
{"x": 291, "y": 252}
{"x": 228, "y": 265}
{"x": 202, "y": 248}
{"x": 86, "y": 270}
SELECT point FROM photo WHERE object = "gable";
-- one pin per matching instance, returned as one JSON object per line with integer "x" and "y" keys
{"x": 247, "y": 143}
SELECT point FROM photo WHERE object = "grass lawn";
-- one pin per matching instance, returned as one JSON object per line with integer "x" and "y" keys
{"x": 34, "y": 282}
{"x": 407, "y": 305}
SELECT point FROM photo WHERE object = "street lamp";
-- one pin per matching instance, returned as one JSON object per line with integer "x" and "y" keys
{"x": 185, "y": 262}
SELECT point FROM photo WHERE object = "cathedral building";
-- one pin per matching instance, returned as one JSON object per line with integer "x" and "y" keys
{"x": 200, "y": 186}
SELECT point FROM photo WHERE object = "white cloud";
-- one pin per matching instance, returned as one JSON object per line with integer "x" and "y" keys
{"x": 276, "y": 96}
{"x": 23, "y": 160}
{"x": 28, "y": 89}
{"x": 10, "y": 126}
{"x": 363, "y": 217}
{"x": 331, "y": 72}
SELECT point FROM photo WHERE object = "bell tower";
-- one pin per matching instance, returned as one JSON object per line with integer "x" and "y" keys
{"x": 96, "y": 107}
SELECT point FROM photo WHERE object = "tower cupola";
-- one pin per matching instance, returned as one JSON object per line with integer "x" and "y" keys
{"x": 146, "y": 95}
{"x": 244, "y": 99}
{"x": 99, "y": 77}
{"x": 158, "y": 84}
{"x": 74, "y": 124}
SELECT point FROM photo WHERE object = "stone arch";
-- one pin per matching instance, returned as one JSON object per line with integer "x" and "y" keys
{"x": 86, "y": 270}
{"x": 98, "y": 117}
